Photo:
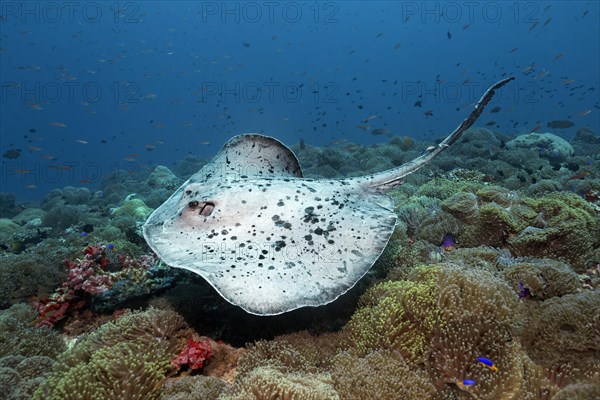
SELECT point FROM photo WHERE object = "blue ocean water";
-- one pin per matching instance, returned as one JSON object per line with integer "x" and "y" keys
{"x": 88, "y": 88}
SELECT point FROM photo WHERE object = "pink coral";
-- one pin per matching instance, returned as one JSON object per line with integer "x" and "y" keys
{"x": 90, "y": 276}
{"x": 193, "y": 354}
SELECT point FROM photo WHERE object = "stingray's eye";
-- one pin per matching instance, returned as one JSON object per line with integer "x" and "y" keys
{"x": 207, "y": 209}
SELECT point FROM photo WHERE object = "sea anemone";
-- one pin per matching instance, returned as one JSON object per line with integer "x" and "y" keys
{"x": 464, "y": 205}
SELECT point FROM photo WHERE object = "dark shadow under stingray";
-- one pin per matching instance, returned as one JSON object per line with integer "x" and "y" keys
{"x": 211, "y": 315}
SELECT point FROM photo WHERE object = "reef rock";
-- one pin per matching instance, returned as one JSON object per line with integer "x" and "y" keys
{"x": 135, "y": 208}
{"x": 7, "y": 227}
{"x": 27, "y": 215}
{"x": 549, "y": 146}
{"x": 162, "y": 177}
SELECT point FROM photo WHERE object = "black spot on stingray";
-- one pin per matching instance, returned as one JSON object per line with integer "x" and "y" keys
{"x": 224, "y": 232}
{"x": 308, "y": 237}
{"x": 275, "y": 217}
{"x": 319, "y": 231}
{"x": 271, "y": 267}
{"x": 280, "y": 203}
{"x": 287, "y": 225}
{"x": 234, "y": 238}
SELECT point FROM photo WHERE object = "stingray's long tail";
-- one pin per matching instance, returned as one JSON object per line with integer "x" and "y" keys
{"x": 386, "y": 180}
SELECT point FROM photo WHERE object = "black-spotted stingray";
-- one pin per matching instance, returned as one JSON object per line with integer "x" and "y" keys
{"x": 268, "y": 239}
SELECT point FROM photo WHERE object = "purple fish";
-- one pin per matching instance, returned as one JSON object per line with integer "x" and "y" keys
{"x": 523, "y": 291}
{"x": 448, "y": 242}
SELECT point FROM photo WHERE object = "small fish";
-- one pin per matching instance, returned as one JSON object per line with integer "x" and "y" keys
{"x": 429, "y": 113}
{"x": 491, "y": 123}
{"x": 418, "y": 104}
{"x": 535, "y": 128}
{"x": 379, "y": 131}
{"x": 81, "y": 141}
{"x": 496, "y": 109}
{"x": 30, "y": 187}
{"x": 34, "y": 148}
{"x": 559, "y": 56}
{"x": 370, "y": 117}
{"x": 580, "y": 175}
{"x": 514, "y": 49}
{"x": 204, "y": 142}
{"x": 363, "y": 127}
{"x": 547, "y": 21}
{"x": 523, "y": 291}
{"x": 58, "y": 124}
{"x": 396, "y": 46}
{"x": 61, "y": 167}
{"x": 84, "y": 180}
{"x": 487, "y": 363}
{"x": 12, "y": 154}
{"x": 111, "y": 247}
{"x": 84, "y": 234}
{"x": 584, "y": 113}
{"x": 449, "y": 35}
{"x": 533, "y": 26}
{"x": 23, "y": 171}
{"x": 464, "y": 383}
{"x": 560, "y": 124}
{"x": 448, "y": 242}
{"x": 528, "y": 69}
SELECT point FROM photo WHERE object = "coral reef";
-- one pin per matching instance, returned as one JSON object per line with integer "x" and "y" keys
{"x": 197, "y": 387}
{"x": 519, "y": 286}
{"x": 33, "y": 272}
{"x": 128, "y": 358}
{"x": 103, "y": 279}
{"x": 382, "y": 374}
{"x": 565, "y": 330}
{"x": 542, "y": 279}
{"x": 547, "y": 145}
{"x": 27, "y": 352}
{"x": 193, "y": 355}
